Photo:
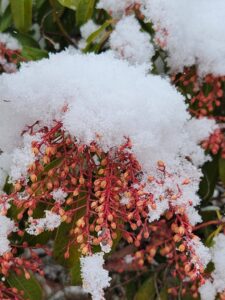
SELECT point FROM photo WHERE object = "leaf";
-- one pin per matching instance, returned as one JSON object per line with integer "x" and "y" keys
{"x": 60, "y": 245}
{"x": 53, "y": 164}
{"x": 22, "y": 14}
{"x": 163, "y": 294}
{"x": 84, "y": 12}
{"x": 72, "y": 4}
{"x": 30, "y": 53}
{"x": 131, "y": 289}
{"x": 38, "y": 4}
{"x": 6, "y": 20}
{"x": 25, "y": 39}
{"x": 222, "y": 169}
{"x": 146, "y": 291}
{"x": 75, "y": 274}
{"x": 208, "y": 183}
{"x": 31, "y": 287}
{"x": 92, "y": 37}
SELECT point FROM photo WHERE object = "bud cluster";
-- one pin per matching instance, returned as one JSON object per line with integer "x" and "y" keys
{"x": 103, "y": 196}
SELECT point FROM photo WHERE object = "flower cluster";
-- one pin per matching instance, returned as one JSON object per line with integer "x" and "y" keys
{"x": 106, "y": 194}
{"x": 205, "y": 97}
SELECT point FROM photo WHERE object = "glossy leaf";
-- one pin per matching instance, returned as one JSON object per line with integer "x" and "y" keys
{"x": 31, "y": 287}
{"x": 30, "y": 53}
{"x": 210, "y": 175}
{"x": 60, "y": 246}
{"x": 222, "y": 169}
{"x": 84, "y": 12}
{"x": 75, "y": 274}
{"x": 96, "y": 33}
{"x": 22, "y": 14}
{"x": 72, "y": 4}
{"x": 5, "y": 20}
{"x": 146, "y": 291}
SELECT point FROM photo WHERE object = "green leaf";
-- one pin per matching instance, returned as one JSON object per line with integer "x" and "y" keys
{"x": 38, "y": 4}
{"x": 31, "y": 287}
{"x": 131, "y": 289}
{"x": 222, "y": 169}
{"x": 22, "y": 14}
{"x": 146, "y": 291}
{"x": 53, "y": 164}
{"x": 163, "y": 294}
{"x": 6, "y": 20}
{"x": 85, "y": 9}
{"x": 92, "y": 37}
{"x": 30, "y": 53}
{"x": 25, "y": 39}
{"x": 75, "y": 274}
{"x": 72, "y": 4}
{"x": 210, "y": 172}
{"x": 60, "y": 245}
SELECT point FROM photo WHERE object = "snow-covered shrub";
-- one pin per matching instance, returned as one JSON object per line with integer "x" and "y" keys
{"x": 104, "y": 166}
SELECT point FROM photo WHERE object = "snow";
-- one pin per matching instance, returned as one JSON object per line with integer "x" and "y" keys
{"x": 216, "y": 284}
{"x": 59, "y": 195}
{"x": 49, "y": 222}
{"x": 6, "y": 227}
{"x": 95, "y": 277}
{"x": 218, "y": 258}
{"x": 207, "y": 291}
{"x": 23, "y": 157}
{"x": 129, "y": 42}
{"x": 88, "y": 28}
{"x": 9, "y": 42}
{"x": 202, "y": 255}
{"x": 191, "y": 31}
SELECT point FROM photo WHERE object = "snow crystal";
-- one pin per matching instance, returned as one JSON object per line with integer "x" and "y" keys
{"x": 207, "y": 291}
{"x": 124, "y": 200}
{"x": 9, "y": 42}
{"x": 6, "y": 227}
{"x": 59, "y": 195}
{"x": 216, "y": 284}
{"x": 192, "y": 32}
{"x": 23, "y": 157}
{"x": 187, "y": 193}
{"x": 128, "y": 259}
{"x": 129, "y": 42}
{"x": 218, "y": 258}
{"x": 95, "y": 277}
{"x": 161, "y": 207}
{"x": 202, "y": 253}
{"x": 49, "y": 222}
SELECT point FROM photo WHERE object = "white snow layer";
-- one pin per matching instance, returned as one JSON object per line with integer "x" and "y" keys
{"x": 209, "y": 290}
{"x": 6, "y": 227}
{"x": 194, "y": 32}
{"x": 95, "y": 277}
{"x": 129, "y": 42}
